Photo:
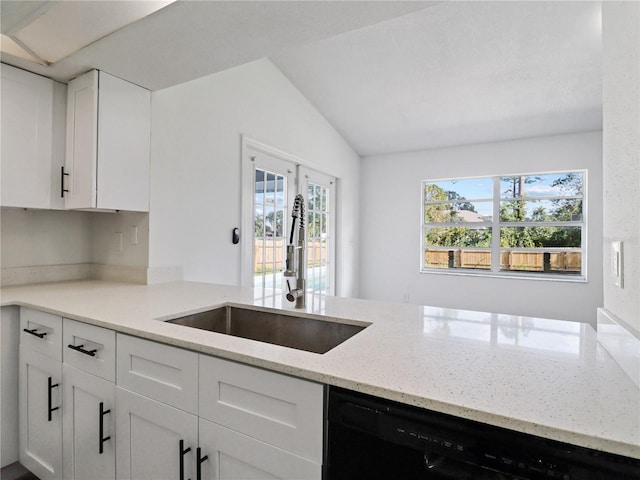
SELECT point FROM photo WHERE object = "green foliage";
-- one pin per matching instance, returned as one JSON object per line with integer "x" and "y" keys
{"x": 515, "y": 211}
{"x": 458, "y": 237}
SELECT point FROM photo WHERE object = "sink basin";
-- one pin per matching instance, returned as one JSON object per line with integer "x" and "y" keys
{"x": 303, "y": 333}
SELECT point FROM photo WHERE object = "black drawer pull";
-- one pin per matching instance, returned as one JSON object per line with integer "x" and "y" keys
{"x": 62, "y": 175}
{"x": 50, "y": 410}
{"x": 183, "y": 451}
{"x": 34, "y": 331}
{"x": 199, "y": 461}
{"x": 103, "y": 439}
{"x": 79, "y": 348}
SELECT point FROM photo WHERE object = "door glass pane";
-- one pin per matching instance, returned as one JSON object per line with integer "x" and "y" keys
{"x": 317, "y": 237}
{"x": 270, "y": 208}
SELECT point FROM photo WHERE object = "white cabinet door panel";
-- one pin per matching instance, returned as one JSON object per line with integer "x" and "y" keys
{"x": 40, "y": 414}
{"x": 27, "y": 112}
{"x": 82, "y": 138}
{"x": 85, "y": 455}
{"x": 233, "y": 456}
{"x": 149, "y": 435}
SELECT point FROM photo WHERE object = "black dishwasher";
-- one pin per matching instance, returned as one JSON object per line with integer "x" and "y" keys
{"x": 371, "y": 438}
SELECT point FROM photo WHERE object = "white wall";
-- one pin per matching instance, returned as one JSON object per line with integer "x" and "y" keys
{"x": 44, "y": 237}
{"x": 60, "y": 239}
{"x": 105, "y": 245}
{"x": 196, "y": 169}
{"x": 390, "y": 228}
{"x": 621, "y": 141}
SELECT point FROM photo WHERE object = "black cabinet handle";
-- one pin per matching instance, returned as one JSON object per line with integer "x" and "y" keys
{"x": 49, "y": 399}
{"x": 183, "y": 451}
{"x": 34, "y": 331}
{"x": 199, "y": 461}
{"x": 103, "y": 439}
{"x": 62, "y": 189}
{"x": 79, "y": 348}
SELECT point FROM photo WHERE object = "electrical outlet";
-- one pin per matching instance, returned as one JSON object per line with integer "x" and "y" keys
{"x": 617, "y": 264}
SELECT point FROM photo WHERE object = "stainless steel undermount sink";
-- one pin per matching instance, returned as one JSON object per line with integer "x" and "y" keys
{"x": 288, "y": 330}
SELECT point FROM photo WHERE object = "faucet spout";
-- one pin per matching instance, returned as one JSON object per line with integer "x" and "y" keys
{"x": 296, "y": 264}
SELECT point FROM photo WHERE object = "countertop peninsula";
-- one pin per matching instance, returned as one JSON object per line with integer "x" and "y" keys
{"x": 544, "y": 377}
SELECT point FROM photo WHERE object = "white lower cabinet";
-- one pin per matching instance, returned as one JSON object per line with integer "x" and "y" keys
{"x": 110, "y": 406}
{"x": 233, "y": 456}
{"x": 40, "y": 415}
{"x": 155, "y": 441}
{"x": 88, "y": 426}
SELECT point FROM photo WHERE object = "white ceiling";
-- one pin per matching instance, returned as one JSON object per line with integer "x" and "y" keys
{"x": 457, "y": 73}
{"x": 389, "y": 75}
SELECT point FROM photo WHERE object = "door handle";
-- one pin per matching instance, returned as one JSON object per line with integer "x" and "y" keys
{"x": 50, "y": 410}
{"x": 34, "y": 332}
{"x": 102, "y": 438}
{"x": 199, "y": 460}
{"x": 62, "y": 175}
{"x": 183, "y": 451}
{"x": 79, "y": 348}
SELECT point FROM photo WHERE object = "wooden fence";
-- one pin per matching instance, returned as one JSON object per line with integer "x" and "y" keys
{"x": 509, "y": 260}
{"x": 272, "y": 250}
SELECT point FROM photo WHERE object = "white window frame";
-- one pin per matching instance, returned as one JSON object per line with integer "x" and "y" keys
{"x": 495, "y": 224}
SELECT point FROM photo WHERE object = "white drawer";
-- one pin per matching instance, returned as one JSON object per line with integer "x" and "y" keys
{"x": 277, "y": 409}
{"x": 162, "y": 372}
{"x": 41, "y": 332}
{"x": 90, "y": 348}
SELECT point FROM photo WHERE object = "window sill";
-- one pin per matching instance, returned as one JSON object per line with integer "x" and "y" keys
{"x": 507, "y": 275}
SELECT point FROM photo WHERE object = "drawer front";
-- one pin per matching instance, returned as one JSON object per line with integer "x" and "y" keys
{"x": 232, "y": 455}
{"x": 89, "y": 348}
{"x": 162, "y": 372}
{"x": 41, "y": 332}
{"x": 277, "y": 409}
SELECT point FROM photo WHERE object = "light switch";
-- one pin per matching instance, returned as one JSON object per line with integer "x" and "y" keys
{"x": 617, "y": 263}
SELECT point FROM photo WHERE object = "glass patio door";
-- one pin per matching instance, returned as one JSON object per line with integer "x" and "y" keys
{"x": 273, "y": 191}
{"x": 271, "y": 180}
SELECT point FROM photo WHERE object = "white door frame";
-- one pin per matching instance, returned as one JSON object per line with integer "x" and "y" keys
{"x": 250, "y": 149}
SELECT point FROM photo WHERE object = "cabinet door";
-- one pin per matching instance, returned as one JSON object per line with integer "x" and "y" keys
{"x": 40, "y": 414}
{"x": 27, "y": 109}
{"x": 150, "y": 436}
{"x": 89, "y": 426}
{"x": 82, "y": 138}
{"x": 233, "y": 456}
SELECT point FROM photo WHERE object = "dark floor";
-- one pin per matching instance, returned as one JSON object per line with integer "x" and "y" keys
{"x": 15, "y": 471}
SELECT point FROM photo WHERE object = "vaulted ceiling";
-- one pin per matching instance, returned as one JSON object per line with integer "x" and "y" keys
{"x": 389, "y": 75}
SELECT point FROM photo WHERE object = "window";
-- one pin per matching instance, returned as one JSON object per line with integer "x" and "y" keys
{"x": 531, "y": 225}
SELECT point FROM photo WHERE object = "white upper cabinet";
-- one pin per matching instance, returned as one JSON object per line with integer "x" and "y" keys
{"x": 107, "y": 149}
{"x": 32, "y": 139}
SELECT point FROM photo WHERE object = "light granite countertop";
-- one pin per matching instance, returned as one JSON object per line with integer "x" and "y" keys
{"x": 549, "y": 378}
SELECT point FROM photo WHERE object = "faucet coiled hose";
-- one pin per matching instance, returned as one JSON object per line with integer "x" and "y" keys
{"x": 297, "y": 212}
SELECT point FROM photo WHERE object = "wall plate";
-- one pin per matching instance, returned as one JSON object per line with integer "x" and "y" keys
{"x": 617, "y": 264}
